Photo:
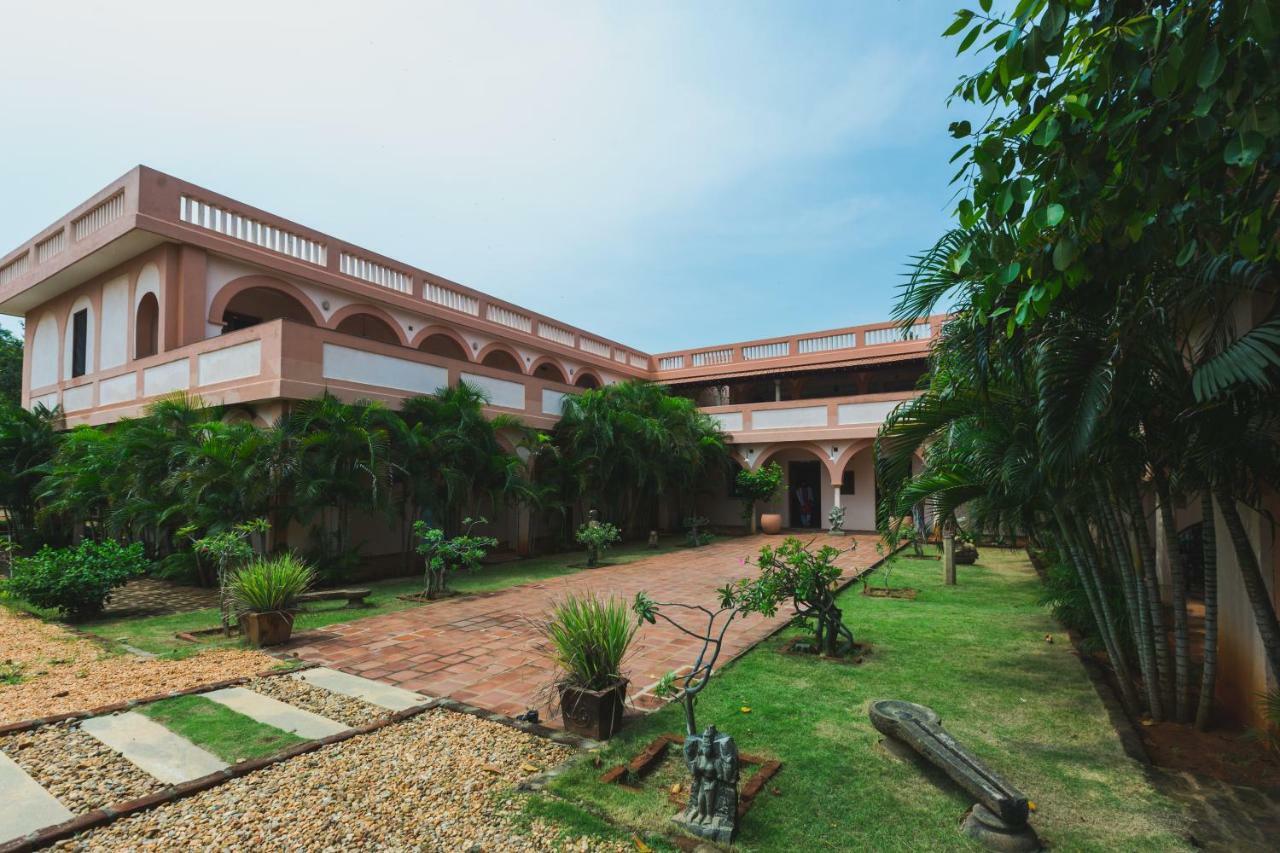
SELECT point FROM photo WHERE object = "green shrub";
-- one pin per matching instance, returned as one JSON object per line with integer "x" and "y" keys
{"x": 597, "y": 536}
{"x": 270, "y": 585}
{"x": 76, "y": 581}
{"x": 589, "y": 637}
{"x": 760, "y": 486}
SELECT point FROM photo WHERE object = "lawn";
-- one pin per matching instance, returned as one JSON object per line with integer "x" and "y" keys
{"x": 157, "y": 633}
{"x": 228, "y": 734}
{"x": 977, "y": 654}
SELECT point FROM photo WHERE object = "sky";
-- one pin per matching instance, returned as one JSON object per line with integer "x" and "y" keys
{"x": 664, "y": 174}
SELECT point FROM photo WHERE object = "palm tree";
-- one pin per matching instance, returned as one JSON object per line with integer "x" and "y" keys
{"x": 28, "y": 441}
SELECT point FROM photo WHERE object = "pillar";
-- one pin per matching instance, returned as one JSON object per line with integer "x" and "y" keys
{"x": 524, "y": 530}
{"x": 949, "y": 556}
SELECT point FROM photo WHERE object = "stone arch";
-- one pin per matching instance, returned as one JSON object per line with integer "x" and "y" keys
{"x": 368, "y": 321}
{"x": 549, "y": 369}
{"x": 781, "y": 447}
{"x": 44, "y": 351}
{"x": 501, "y": 357}
{"x": 275, "y": 291}
{"x": 83, "y": 303}
{"x": 442, "y": 341}
{"x": 146, "y": 326}
{"x": 842, "y": 461}
{"x": 587, "y": 378}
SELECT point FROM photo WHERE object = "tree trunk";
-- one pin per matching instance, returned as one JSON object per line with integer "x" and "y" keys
{"x": 1151, "y": 583}
{"x": 1178, "y": 584}
{"x": 1101, "y": 611}
{"x": 1209, "y": 550}
{"x": 1264, "y": 614}
{"x": 1139, "y": 619}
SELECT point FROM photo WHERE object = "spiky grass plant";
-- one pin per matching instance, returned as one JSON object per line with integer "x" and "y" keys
{"x": 270, "y": 585}
{"x": 589, "y": 637}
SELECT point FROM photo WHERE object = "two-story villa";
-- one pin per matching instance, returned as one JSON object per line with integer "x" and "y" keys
{"x": 154, "y": 286}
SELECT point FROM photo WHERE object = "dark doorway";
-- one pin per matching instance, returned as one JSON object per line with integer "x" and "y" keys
{"x": 804, "y": 480}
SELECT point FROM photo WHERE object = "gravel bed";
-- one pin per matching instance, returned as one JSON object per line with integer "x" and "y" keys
{"x": 63, "y": 672}
{"x": 428, "y": 783}
{"x": 347, "y": 710}
{"x": 77, "y": 768}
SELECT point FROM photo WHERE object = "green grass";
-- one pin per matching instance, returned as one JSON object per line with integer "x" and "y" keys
{"x": 156, "y": 634}
{"x": 976, "y": 653}
{"x": 227, "y": 734}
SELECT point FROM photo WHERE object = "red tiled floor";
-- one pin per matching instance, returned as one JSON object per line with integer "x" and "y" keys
{"x": 485, "y": 649}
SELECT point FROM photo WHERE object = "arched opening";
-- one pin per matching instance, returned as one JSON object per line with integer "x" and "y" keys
{"x": 500, "y": 359}
{"x": 146, "y": 327}
{"x": 444, "y": 346}
{"x": 550, "y": 372}
{"x": 260, "y": 305}
{"x": 587, "y": 380}
{"x": 369, "y": 327}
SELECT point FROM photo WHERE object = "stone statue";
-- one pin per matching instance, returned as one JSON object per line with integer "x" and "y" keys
{"x": 836, "y": 519}
{"x": 713, "y": 763}
{"x": 998, "y": 820}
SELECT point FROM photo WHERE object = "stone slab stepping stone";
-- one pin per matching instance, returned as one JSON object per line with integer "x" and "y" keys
{"x": 273, "y": 712}
{"x": 168, "y": 757}
{"x": 373, "y": 692}
{"x": 25, "y": 805}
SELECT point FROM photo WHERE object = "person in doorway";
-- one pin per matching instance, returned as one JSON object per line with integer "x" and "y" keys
{"x": 805, "y": 498}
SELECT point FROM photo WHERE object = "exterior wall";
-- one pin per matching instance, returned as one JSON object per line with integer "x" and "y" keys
{"x": 109, "y": 298}
{"x": 1242, "y": 668}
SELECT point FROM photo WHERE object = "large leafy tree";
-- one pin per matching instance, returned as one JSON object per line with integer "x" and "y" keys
{"x": 10, "y": 368}
{"x": 624, "y": 446}
{"x": 1119, "y": 133}
{"x": 1116, "y": 240}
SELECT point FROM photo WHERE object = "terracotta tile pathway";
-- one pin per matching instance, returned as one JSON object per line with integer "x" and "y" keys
{"x": 483, "y": 649}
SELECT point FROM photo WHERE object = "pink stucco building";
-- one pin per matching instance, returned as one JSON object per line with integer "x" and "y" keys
{"x": 154, "y": 286}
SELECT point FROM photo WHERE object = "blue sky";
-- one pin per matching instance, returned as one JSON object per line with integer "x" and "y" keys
{"x": 666, "y": 174}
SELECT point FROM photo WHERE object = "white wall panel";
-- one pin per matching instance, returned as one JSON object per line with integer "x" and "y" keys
{"x": 353, "y": 365}
{"x": 118, "y": 389}
{"x": 237, "y": 362}
{"x": 804, "y": 416}
{"x": 166, "y": 378}
{"x": 501, "y": 392}
{"x": 115, "y": 323}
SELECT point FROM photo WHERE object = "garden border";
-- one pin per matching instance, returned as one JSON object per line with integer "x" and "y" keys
{"x": 116, "y": 707}
{"x": 109, "y": 814}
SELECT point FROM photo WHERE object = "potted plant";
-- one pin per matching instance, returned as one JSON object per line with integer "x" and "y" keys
{"x": 597, "y": 536}
{"x": 265, "y": 592}
{"x": 589, "y": 637}
{"x": 761, "y": 486}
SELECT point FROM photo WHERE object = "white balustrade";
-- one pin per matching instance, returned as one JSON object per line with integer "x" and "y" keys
{"x": 555, "y": 333}
{"x": 96, "y": 219}
{"x": 896, "y": 334}
{"x": 249, "y": 230}
{"x": 827, "y": 343}
{"x": 511, "y": 319}
{"x": 596, "y": 347}
{"x": 374, "y": 273}
{"x": 14, "y": 268}
{"x": 715, "y": 356}
{"x": 50, "y": 246}
{"x": 450, "y": 298}
{"x": 758, "y": 351}
{"x": 671, "y": 362}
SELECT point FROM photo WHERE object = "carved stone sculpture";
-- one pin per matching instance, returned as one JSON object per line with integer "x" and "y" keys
{"x": 712, "y": 813}
{"x": 999, "y": 820}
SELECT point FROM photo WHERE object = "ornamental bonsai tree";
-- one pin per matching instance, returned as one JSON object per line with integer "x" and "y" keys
{"x": 589, "y": 637}
{"x": 228, "y": 549}
{"x": 687, "y": 686}
{"x": 697, "y": 525}
{"x": 805, "y": 578}
{"x": 444, "y": 555}
{"x": 760, "y": 486}
{"x": 597, "y": 536}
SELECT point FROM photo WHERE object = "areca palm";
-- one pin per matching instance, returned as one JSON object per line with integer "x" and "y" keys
{"x": 28, "y": 439}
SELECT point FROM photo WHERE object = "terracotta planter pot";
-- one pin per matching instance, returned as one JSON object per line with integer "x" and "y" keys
{"x": 596, "y": 714}
{"x": 267, "y": 629}
{"x": 771, "y": 523}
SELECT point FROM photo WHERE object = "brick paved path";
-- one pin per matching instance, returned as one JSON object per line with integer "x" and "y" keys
{"x": 484, "y": 650}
